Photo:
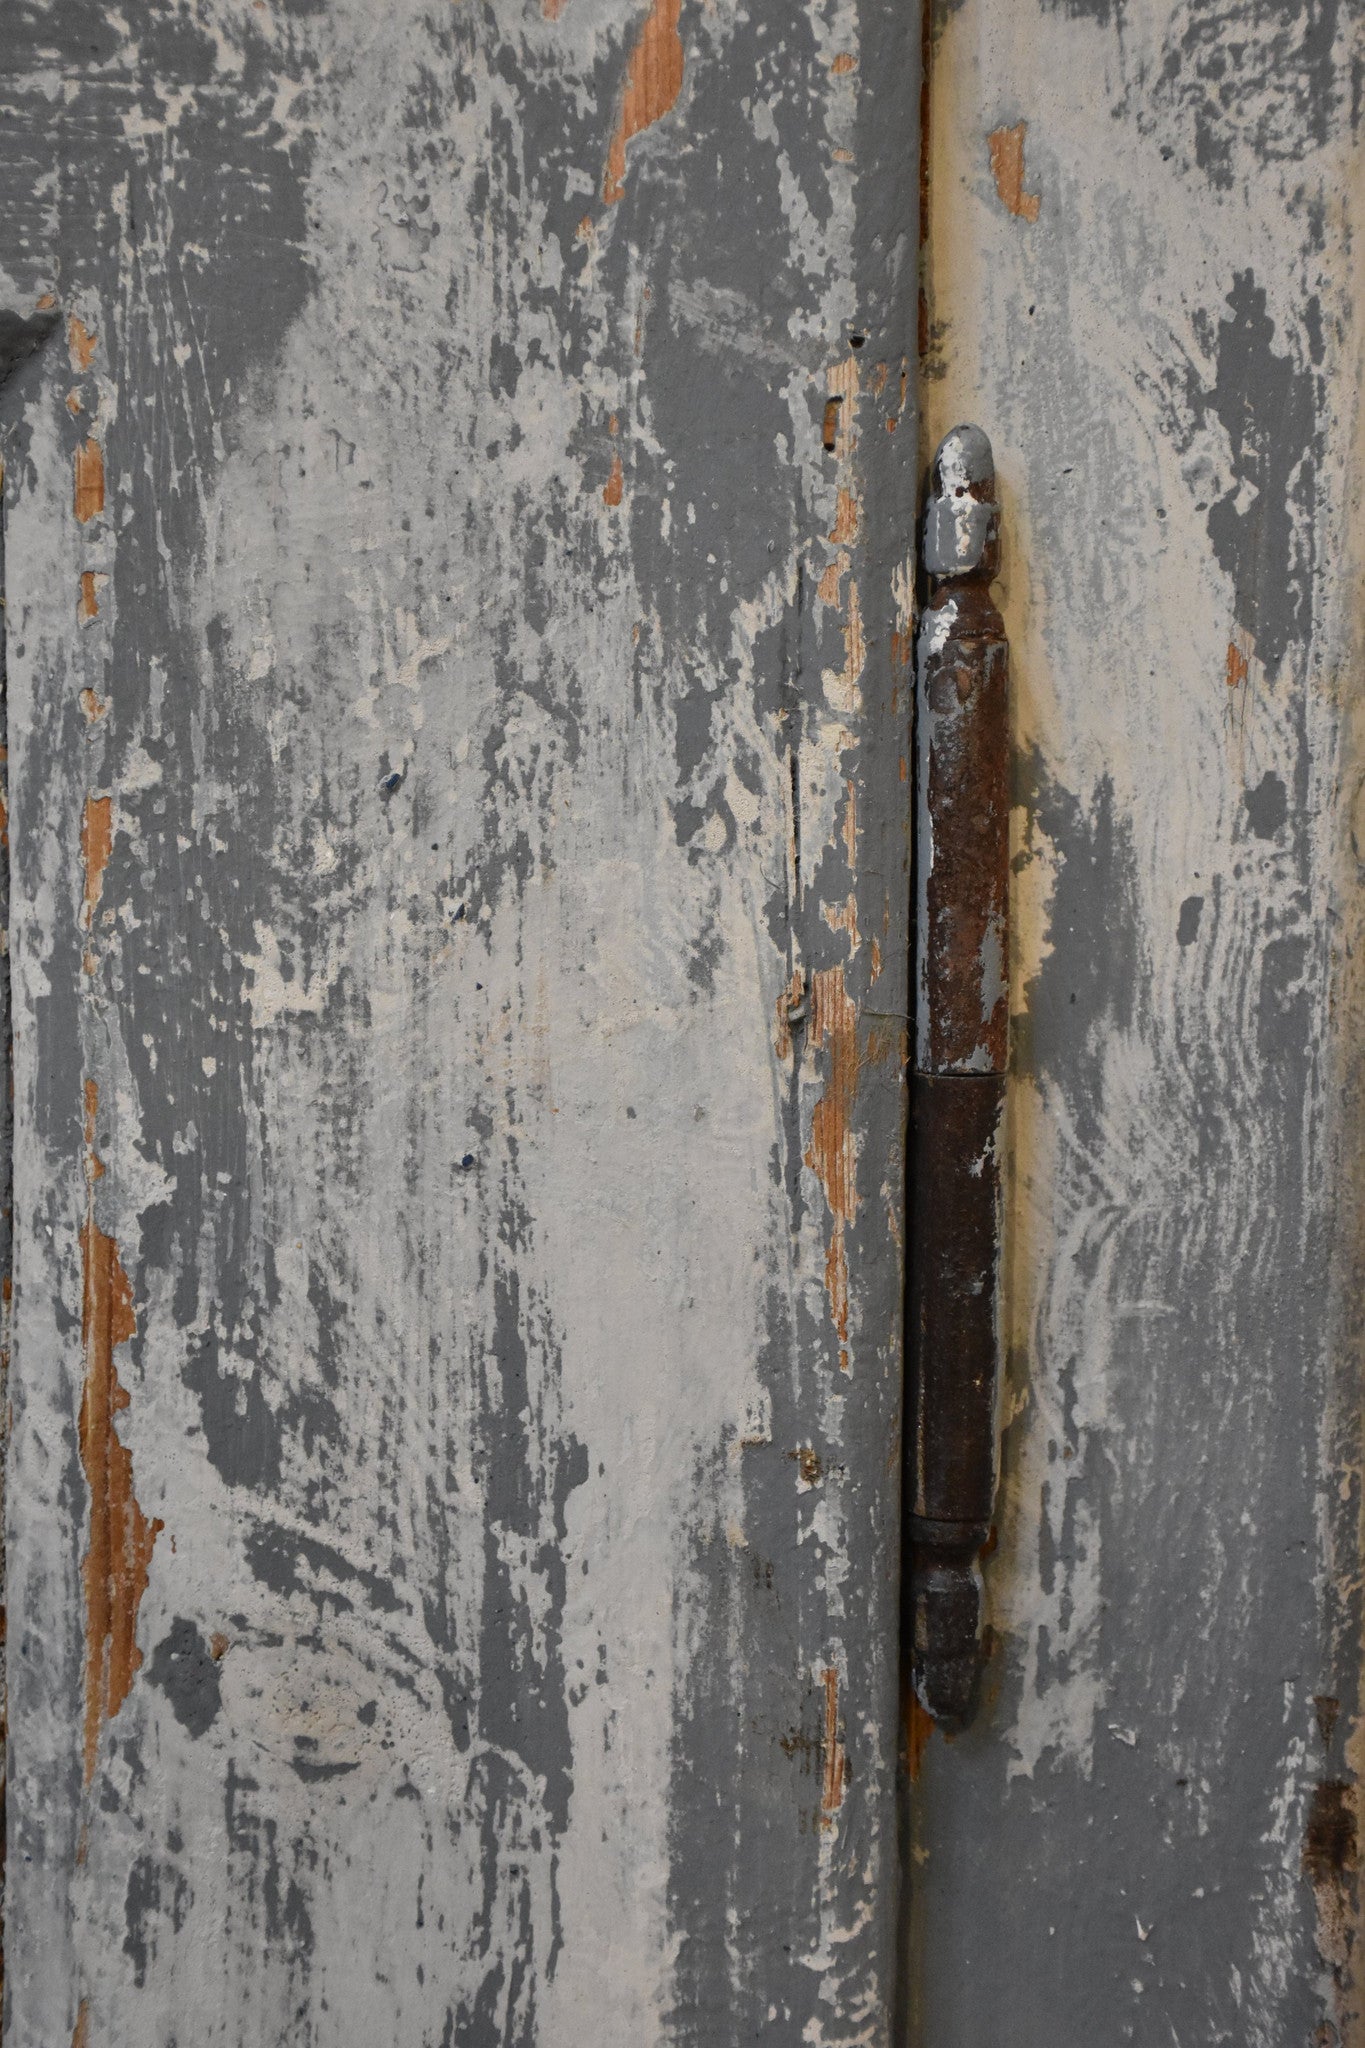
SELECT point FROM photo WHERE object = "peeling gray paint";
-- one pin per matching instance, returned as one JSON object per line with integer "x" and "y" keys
{"x": 1267, "y": 806}
{"x": 1261, "y": 525}
{"x": 1167, "y": 362}
{"x": 491, "y": 676}
{"x": 184, "y": 1666}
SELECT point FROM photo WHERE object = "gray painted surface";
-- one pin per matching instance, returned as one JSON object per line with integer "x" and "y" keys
{"x": 1151, "y": 1834}
{"x": 459, "y": 984}
{"x": 456, "y": 582}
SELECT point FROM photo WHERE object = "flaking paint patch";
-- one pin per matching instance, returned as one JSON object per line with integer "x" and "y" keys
{"x": 788, "y": 1009}
{"x": 843, "y": 917}
{"x": 80, "y": 2033}
{"x": 842, "y": 386}
{"x": 81, "y": 343}
{"x": 88, "y": 603}
{"x": 1261, "y": 407}
{"x": 1248, "y": 86}
{"x": 835, "y": 1760}
{"x": 903, "y": 631}
{"x": 919, "y": 1726}
{"x": 97, "y": 839}
{"x": 843, "y": 684}
{"x": 120, "y": 1538}
{"x": 89, "y": 484}
{"x": 1237, "y": 666}
{"x": 653, "y": 81}
{"x": 1330, "y": 1860}
{"x": 840, "y": 439}
{"x": 1007, "y": 168}
{"x": 833, "y": 1154}
{"x": 845, "y": 529}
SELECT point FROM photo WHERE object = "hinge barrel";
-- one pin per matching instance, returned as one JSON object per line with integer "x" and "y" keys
{"x": 961, "y": 1057}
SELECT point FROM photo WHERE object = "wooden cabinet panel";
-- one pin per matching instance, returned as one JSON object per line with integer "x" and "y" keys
{"x": 458, "y": 597}
{"x": 1142, "y": 282}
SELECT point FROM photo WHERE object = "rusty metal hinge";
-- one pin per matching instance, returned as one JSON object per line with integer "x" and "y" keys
{"x": 958, "y": 1087}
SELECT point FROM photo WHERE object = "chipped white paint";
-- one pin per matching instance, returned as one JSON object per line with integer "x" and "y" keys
{"x": 480, "y": 1070}
{"x": 1141, "y": 282}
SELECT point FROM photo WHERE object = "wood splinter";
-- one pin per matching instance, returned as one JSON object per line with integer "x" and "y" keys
{"x": 958, "y": 1088}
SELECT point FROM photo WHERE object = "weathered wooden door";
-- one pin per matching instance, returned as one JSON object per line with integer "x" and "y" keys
{"x": 1142, "y": 277}
{"x": 458, "y": 506}
{"x": 461, "y": 466}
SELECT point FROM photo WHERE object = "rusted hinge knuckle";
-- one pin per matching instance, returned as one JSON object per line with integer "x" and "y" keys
{"x": 961, "y": 1057}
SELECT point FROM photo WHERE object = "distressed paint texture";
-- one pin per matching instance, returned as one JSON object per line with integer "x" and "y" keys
{"x": 455, "y": 573}
{"x": 1153, "y": 1825}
